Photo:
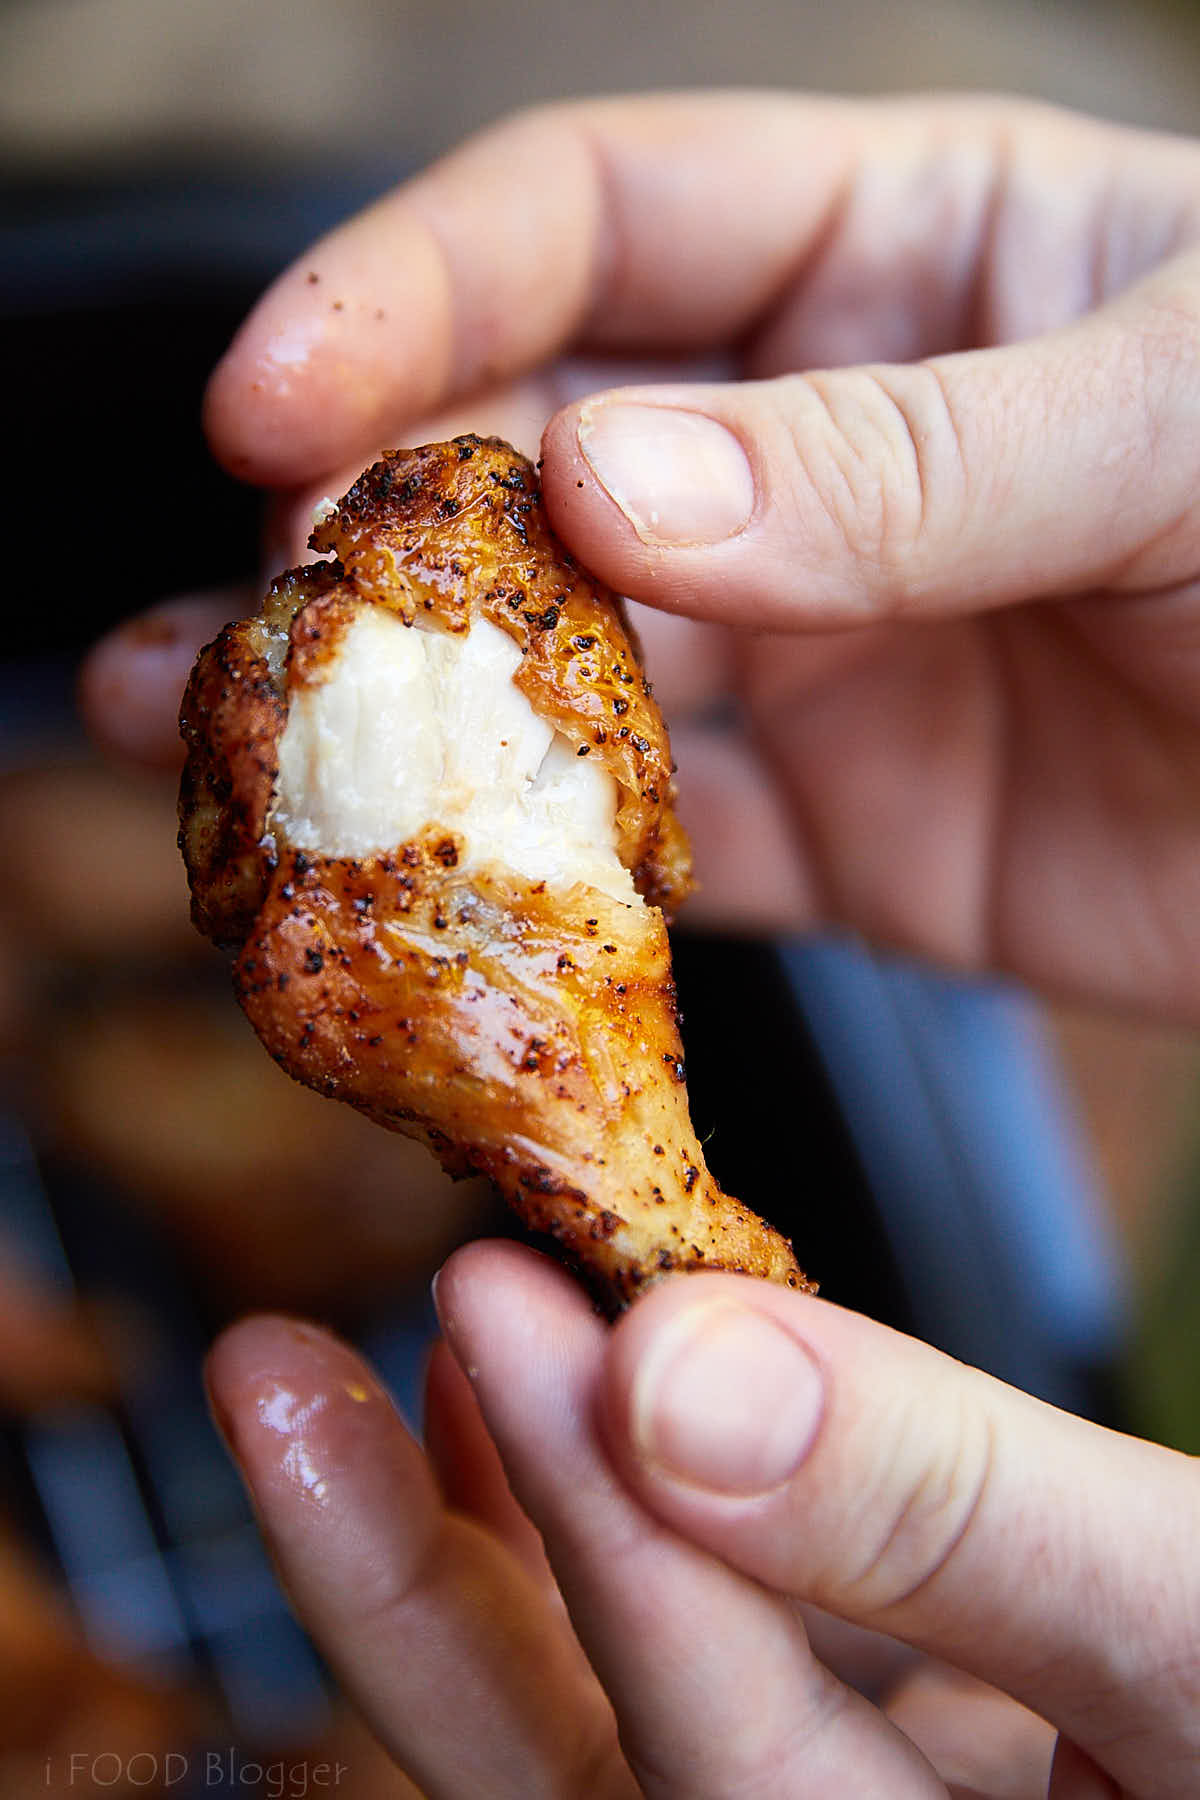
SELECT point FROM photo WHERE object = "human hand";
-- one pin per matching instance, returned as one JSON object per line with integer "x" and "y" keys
{"x": 953, "y": 591}
{"x": 960, "y": 627}
{"x": 726, "y": 1451}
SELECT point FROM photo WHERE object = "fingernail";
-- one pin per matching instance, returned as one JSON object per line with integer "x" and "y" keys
{"x": 679, "y": 477}
{"x": 727, "y": 1400}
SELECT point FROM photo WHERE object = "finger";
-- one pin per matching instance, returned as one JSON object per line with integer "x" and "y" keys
{"x": 132, "y": 681}
{"x": 836, "y": 1461}
{"x": 978, "y": 1739}
{"x": 437, "y": 1634}
{"x": 715, "y": 1687}
{"x": 967, "y": 482}
{"x": 468, "y": 1467}
{"x": 684, "y": 222}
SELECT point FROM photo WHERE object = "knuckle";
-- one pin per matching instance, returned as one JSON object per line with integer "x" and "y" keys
{"x": 391, "y": 1588}
{"x": 773, "y": 1748}
{"x": 918, "y": 1517}
{"x": 880, "y": 451}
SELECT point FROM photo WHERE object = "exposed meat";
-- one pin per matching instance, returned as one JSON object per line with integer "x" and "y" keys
{"x": 428, "y": 797}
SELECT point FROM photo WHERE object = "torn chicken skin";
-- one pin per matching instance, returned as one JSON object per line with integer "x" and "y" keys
{"x": 428, "y": 799}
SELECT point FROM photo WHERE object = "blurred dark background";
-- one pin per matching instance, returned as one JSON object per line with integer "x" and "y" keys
{"x": 1011, "y": 1182}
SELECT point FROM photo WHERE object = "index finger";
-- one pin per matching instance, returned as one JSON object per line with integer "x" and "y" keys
{"x": 813, "y": 231}
{"x": 515, "y": 245}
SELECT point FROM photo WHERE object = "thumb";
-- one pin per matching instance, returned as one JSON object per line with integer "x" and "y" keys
{"x": 842, "y": 1464}
{"x": 1050, "y": 467}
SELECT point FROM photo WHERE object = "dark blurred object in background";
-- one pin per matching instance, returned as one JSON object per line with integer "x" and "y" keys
{"x": 116, "y": 302}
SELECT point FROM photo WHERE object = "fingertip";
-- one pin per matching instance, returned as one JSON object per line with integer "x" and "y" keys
{"x": 235, "y": 414}
{"x": 250, "y": 1356}
{"x": 583, "y": 514}
{"x": 529, "y": 1341}
{"x": 681, "y": 477}
{"x": 255, "y": 408}
{"x": 131, "y": 682}
{"x": 290, "y": 1399}
{"x": 268, "y": 415}
{"x": 489, "y": 1278}
{"x": 655, "y": 494}
{"x": 342, "y": 1492}
{"x": 710, "y": 1384}
{"x": 353, "y": 337}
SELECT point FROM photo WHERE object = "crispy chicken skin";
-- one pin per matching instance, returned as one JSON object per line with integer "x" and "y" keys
{"x": 428, "y": 798}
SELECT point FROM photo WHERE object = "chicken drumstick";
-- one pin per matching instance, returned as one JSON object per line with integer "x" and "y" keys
{"x": 428, "y": 797}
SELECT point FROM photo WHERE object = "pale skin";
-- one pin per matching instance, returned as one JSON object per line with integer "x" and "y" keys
{"x": 913, "y": 485}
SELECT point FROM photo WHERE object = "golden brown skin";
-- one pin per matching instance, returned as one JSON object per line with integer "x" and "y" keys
{"x": 523, "y": 1031}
